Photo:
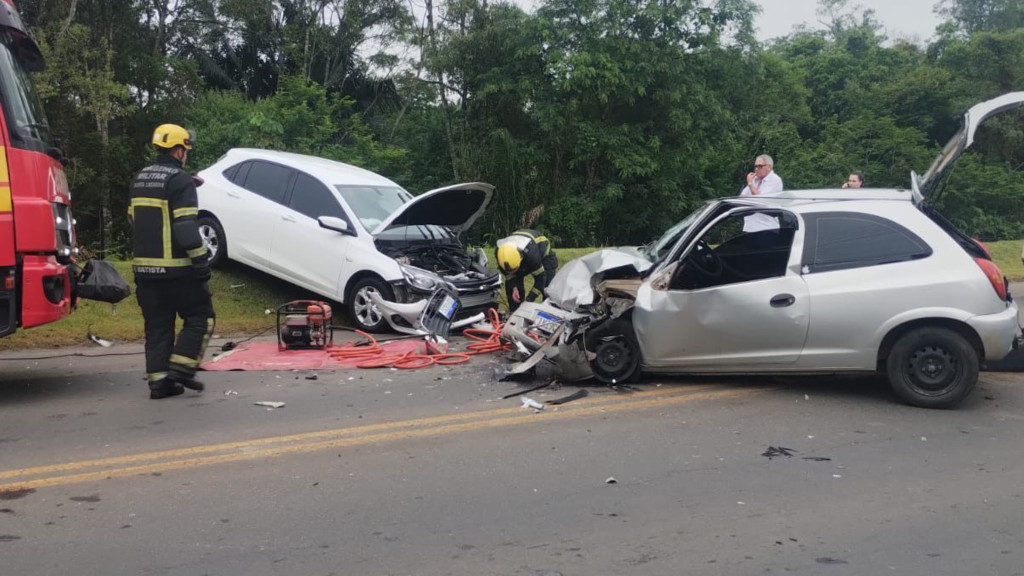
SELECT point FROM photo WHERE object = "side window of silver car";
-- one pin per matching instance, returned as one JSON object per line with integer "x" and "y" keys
{"x": 738, "y": 249}
{"x": 844, "y": 240}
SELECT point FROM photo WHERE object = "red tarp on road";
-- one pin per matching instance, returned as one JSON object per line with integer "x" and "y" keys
{"x": 266, "y": 356}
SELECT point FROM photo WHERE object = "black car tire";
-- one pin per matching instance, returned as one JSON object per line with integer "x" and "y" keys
{"x": 216, "y": 242}
{"x": 932, "y": 367}
{"x": 616, "y": 361}
{"x": 359, "y": 307}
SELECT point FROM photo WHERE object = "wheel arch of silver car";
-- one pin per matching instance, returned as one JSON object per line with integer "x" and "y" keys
{"x": 899, "y": 331}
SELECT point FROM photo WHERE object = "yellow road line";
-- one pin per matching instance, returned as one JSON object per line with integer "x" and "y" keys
{"x": 348, "y": 437}
{"x": 306, "y": 436}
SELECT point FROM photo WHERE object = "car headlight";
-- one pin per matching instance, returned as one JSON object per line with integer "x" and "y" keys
{"x": 421, "y": 279}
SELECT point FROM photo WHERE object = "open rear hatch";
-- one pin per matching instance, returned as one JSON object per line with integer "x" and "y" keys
{"x": 926, "y": 188}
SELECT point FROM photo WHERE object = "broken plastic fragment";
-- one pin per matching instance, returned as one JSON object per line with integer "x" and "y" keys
{"x": 611, "y": 480}
{"x": 96, "y": 339}
{"x": 531, "y": 403}
{"x": 270, "y": 404}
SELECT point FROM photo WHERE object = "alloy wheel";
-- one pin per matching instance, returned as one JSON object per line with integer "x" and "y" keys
{"x": 366, "y": 311}
{"x": 210, "y": 239}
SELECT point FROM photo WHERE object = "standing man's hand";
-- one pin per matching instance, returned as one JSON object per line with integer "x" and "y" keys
{"x": 750, "y": 178}
{"x": 516, "y": 297}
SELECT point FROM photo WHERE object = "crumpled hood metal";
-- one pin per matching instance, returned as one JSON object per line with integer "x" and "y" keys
{"x": 575, "y": 283}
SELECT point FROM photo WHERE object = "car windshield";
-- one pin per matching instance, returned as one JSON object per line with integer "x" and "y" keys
{"x": 660, "y": 248}
{"x": 26, "y": 120}
{"x": 373, "y": 204}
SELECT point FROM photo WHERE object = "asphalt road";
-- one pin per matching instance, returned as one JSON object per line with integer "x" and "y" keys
{"x": 430, "y": 472}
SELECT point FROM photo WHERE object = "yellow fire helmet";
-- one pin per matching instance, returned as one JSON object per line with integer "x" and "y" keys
{"x": 509, "y": 258}
{"x": 170, "y": 135}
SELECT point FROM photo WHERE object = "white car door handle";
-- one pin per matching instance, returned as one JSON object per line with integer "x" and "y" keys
{"x": 232, "y": 195}
{"x": 288, "y": 219}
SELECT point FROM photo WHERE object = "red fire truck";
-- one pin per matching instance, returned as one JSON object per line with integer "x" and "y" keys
{"x": 37, "y": 238}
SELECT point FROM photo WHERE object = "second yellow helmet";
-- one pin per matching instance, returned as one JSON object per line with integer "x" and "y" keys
{"x": 509, "y": 258}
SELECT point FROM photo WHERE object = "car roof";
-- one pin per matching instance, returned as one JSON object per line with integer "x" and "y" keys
{"x": 796, "y": 198}
{"x": 330, "y": 171}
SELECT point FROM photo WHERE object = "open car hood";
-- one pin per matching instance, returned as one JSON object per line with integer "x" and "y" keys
{"x": 923, "y": 187}
{"x": 455, "y": 207}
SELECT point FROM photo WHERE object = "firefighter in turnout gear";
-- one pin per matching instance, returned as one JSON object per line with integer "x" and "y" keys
{"x": 526, "y": 253}
{"x": 171, "y": 265}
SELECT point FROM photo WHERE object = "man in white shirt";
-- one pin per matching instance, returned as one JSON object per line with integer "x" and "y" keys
{"x": 763, "y": 181}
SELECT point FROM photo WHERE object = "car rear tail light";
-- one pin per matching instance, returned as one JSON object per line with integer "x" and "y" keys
{"x": 994, "y": 275}
{"x": 983, "y": 248}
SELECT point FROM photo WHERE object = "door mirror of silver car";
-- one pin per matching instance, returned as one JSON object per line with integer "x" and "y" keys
{"x": 336, "y": 224}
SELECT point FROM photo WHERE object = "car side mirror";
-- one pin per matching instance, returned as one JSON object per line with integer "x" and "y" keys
{"x": 336, "y": 224}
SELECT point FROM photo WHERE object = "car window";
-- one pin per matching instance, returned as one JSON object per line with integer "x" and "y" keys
{"x": 843, "y": 240}
{"x": 660, "y": 248}
{"x": 268, "y": 180}
{"x": 231, "y": 172}
{"x": 313, "y": 199}
{"x": 237, "y": 173}
{"x": 373, "y": 204}
{"x": 725, "y": 254}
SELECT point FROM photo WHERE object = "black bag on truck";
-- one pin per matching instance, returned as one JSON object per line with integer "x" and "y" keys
{"x": 101, "y": 281}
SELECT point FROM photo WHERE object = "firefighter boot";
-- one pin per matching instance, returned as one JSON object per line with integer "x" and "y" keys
{"x": 187, "y": 380}
{"x": 164, "y": 389}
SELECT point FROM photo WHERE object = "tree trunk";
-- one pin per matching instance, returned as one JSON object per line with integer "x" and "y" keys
{"x": 443, "y": 91}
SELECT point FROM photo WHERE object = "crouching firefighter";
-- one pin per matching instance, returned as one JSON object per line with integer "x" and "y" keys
{"x": 526, "y": 253}
{"x": 171, "y": 266}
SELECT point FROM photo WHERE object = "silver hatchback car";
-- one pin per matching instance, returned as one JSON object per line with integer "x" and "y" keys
{"x": 848, "y": 281}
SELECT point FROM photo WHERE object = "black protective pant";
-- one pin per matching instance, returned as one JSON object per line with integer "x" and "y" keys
{"x": 161, "y": 302}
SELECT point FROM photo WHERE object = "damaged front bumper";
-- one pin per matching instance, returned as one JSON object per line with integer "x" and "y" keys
{"x": 431, "y": 316}
{"x": 541, "y": 331}
{"x": 579, "y": 345}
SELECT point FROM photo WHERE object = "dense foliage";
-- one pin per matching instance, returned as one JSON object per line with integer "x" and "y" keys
{"x": 599, "y": 121}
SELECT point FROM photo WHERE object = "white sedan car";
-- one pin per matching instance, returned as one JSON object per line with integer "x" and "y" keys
{"x": 343, "y": 232}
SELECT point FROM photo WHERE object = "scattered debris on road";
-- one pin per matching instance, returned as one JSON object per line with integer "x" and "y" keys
{"x": 817, "y": 458}
{"x": 97, "y": 340}
{"x": 527, "y": 391}
{"x": 581, "y": 393}
{"x": 611, "y": 480}
{"x": 531, "y": 403}
{"x": 777, "y": 451}
{"x": 270, "y": 404}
